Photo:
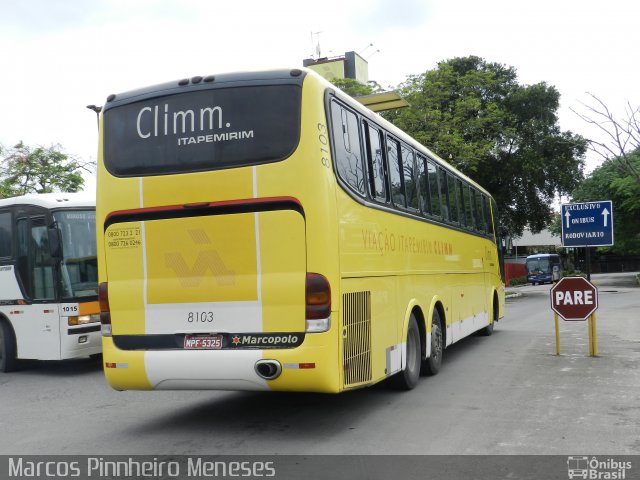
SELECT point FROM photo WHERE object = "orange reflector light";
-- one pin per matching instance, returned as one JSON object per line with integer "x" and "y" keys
{"x": 299, "y": 366}
{"x": 116, "y": 365}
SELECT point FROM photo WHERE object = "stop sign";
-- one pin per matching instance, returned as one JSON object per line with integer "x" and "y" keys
{"x": 574, "y": 298}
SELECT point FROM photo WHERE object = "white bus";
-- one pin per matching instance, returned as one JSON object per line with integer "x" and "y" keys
{"x": 48, "y": 278}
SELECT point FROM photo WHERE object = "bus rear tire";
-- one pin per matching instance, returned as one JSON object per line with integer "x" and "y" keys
{"x": 488, "y": 330}
{"x": 431, "y": 365}
{"x": 8, "y": 361}
{"x": 96, "y": 357}
{"x": 408, "y": 378}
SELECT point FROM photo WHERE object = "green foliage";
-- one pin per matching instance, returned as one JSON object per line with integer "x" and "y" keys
{"x": 612, "y": 181}
{"x": 354, "y": 88}
{"x": 555, "y": 227}
{"x": 513, "y": 282}
{"x": 27, "y": 169}
{"x": 572, "y": 273}
{"x": 504, "y": 135}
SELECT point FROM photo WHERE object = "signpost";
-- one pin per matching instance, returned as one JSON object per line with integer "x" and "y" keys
{"x": 575, "y": 298}
{"x": 588, "y": 224}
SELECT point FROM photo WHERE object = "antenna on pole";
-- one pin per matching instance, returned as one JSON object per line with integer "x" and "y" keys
{"x": 362, "y": 51}
{"x": 377, "y": 51}
{"x": 315, "y": 44}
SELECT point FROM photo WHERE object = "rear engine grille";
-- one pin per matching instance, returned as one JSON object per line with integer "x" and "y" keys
{"x": 356, "y": 314}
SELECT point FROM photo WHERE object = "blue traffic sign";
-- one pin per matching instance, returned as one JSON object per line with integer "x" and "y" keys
{"x": 588, "y": 224}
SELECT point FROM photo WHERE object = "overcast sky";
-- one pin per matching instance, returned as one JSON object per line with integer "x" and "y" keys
{"x": 59, "y": 56}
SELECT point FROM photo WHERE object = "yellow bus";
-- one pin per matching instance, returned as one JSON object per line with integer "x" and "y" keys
{"x": 264, "y": 231}
{"x": 48, "y": 278}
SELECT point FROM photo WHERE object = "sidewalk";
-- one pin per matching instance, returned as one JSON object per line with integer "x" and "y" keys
{"x": 630, "y": 279}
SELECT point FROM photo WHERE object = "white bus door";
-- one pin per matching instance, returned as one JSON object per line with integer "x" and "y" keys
{"x": 36, "y": 324}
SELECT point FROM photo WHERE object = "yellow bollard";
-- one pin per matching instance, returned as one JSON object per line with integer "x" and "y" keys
{"x": 593, "y": 340}
{"x": 555, "y": 319}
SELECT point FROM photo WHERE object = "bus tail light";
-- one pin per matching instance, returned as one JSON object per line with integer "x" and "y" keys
{"x": 105, "y": 312}
{"x": 318, "y": 303}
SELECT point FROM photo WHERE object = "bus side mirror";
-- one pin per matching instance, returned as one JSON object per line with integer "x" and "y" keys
{"x": 55, "y": 242}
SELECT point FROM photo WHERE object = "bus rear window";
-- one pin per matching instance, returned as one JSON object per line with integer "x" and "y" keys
{"x": 202, "y": 130}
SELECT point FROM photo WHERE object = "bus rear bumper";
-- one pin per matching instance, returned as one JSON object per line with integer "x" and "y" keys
{"x": 305, "y": 368}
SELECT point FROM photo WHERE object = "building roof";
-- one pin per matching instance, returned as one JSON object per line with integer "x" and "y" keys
{"x": 544, "y": 238}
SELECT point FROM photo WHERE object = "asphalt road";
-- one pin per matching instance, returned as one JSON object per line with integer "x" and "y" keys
{"x": 505, "y": 394}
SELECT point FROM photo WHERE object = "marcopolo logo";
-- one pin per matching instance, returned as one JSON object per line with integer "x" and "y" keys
{"x": 595, "y": 468}
{"x": 266, "y": 340}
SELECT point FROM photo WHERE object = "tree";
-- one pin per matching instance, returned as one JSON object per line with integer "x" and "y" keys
{"x": 354, "y": 88}
{"x": 504, "y": 135}
{"x": 622, "y": 136}
{"x": 612, "y": 181}
{"x": 27, "y": 169}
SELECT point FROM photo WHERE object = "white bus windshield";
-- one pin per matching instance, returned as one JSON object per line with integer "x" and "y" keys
{"x": 78, "y": 267}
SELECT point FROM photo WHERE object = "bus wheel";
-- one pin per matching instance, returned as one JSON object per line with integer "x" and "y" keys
{"x": 488, "y": 330}
{"x": 96, "y": 357}
{"x": 431, "y": 365}
{"x": 408, "y": 378}
{"x": 8, "y": 360}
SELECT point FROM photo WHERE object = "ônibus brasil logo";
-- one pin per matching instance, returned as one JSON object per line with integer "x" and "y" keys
{"x": 597, "y": 469}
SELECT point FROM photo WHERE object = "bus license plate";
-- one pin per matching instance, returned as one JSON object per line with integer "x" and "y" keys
{"x": 203, "y": 342}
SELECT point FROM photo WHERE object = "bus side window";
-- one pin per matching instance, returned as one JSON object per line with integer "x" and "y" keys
{"x": 460, "y": 199}
{"x": 453, "y": 199}
{"x": 423, "y": 184}
{"x": 409, "y": 178}
{"x": 434, "y": 189}
{"x": 395, "y": 172}
{"x": 474, "y": 208}
{"x": 6, "y": 240}
{"x": 375, "y": 163}
{"x": 347, "y": 148}
{"x": 486, "y": 215}
{"x": 480, "y": 212}
{"x": 468, "y": 205}
{"x": 489, "y": 215}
